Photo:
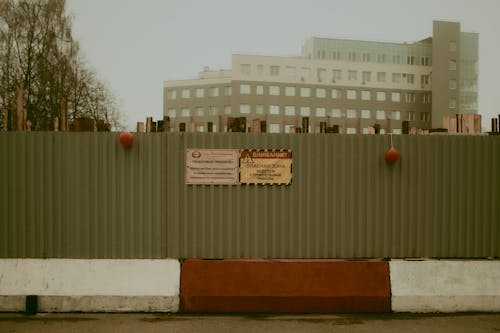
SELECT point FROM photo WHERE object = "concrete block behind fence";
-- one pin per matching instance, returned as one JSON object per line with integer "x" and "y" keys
{"x": 285, "y": 286}
{"x": 445, "y": 285}
{"x": 90, "y": 285}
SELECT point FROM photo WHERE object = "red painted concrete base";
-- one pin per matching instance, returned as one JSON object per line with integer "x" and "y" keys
{"x": 285, "y": 286}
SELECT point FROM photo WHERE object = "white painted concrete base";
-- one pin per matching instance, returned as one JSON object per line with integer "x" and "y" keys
{"x": 65, "y": 285}
{"x": 93, "y": 303}
{"x": 445, "y": 285}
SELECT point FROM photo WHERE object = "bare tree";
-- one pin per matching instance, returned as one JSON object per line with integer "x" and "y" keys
{"x": 39, "y": 54}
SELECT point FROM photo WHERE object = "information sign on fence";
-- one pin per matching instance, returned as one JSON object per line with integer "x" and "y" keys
{"x": 212, "y": 166}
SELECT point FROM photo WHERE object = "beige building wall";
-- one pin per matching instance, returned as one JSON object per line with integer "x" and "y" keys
{"x": 446, "y": 71}
{"x": 354, "y": 94}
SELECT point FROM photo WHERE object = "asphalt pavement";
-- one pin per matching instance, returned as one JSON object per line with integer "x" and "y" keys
{"x": 258, "y": 323}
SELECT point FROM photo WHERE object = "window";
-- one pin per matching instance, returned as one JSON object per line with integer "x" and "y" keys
{"x": 213, "y": 111}
{"x": 291, "y": 72}
{"x": 367, "y": 76}
{"x": 396, "y": 97}
{"x": 453, "y": 103}
{"x": 289, "y": 110}
{"x": 321, "y": 92}
{"x": 424, "y": 61}
{"x": 244, "y": 108}
{"x": 397, "y": 131}
{"x": 245, "y": 69}
{"x": 424, "y": 80}
{"x": 396, "y": 115}
{"x": 259, "y": 109}
{"x": 411, "y": 115}
{"x": 244, "y": 89}
{"x": 274, "y": 128}
{"x": 453, "y": 84}
{"x": 351, "y": 113}
{"x": 425, "y": 116}
{"x": 452, "y": 46}
{"x": 305, "y": 72}
{"x": 380, "y": 114}
{"x": 380, "y": 95}
{"x": 382, "y": 131}
{"x": 320, "y": 112}
{"x": 365, "y": 130}
{"x": 410, "y": 78}
{"x": 228, "y": 91}
{"x": 336, "y": 74}
{"x": 410, "y": 60}
{"x": 289, "y": 91}
{"x": 352, "y": 75}
{"x": 185, "y": 112}
{"x": 351, "y": 56}
{"x": 336, "y": 55}
{"x": 366, "y": 57}
{"x": 171, "y": 113}
{"x": 366, "y": 114}
{"x": 396, "y": 77}
{"x": 410, "y": 97}
{"x": 305, "y": 92}
{"x": 200, "y": 112}
{"x": 274, "y": 70}
{"x": 200, "y": 128}
{"x": 227, "y": 109}
{"x": 381, "y": 77}
{"x": 305, "y": 111}
{"x": 336, "y": 113}
{"x": 259, "y": 90}
{"x": 185, "y": 93}
{"x": 381, "y": 58}
{"x": 200, "y": 92}
{"x": 274, "y": 109}
{"x": 274, "y": 90}
{"x": 171, "y": 94}
{"x": 426, "y": 99}
{"x": 321, "y": 72}
{"x": 396, "y": 59}
{"x": 452, "y": 65}
{"x": 351, "y": 94}
{"x": 335, "y": 93}
{"x": 366, "y": 95}
{"x": 350, "y": 130}
{"x": 260, "y": 69}
{"x": 213, "y": 91}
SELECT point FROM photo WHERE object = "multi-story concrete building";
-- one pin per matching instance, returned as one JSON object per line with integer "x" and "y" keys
{"x": 349, "y": 83}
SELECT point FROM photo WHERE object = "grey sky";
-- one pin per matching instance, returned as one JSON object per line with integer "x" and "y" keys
{"x": 136, "y": 45}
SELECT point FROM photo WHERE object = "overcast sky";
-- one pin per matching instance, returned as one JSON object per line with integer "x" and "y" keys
{"x": 135, "y": 45}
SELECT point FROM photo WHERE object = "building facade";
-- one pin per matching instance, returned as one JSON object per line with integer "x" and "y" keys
{"x": 353, "y": 86}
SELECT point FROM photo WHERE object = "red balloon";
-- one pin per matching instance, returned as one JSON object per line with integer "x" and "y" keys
{"x": 391, "y": 155}
{"x": 126, "y": 139}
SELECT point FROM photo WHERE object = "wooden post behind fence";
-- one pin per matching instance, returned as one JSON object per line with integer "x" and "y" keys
{"x": 20, "y": 110}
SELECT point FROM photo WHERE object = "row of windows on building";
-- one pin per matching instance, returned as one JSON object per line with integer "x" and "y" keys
{"x": 303, "y": 111}
{"x": 350, "y": 94}
{"x": 286, "y": 128}
{"x": 380, "y": 58}
{"x": 305, "y": 74}
{"x": 199, "y": 92}
{"x": 291, "y": 91}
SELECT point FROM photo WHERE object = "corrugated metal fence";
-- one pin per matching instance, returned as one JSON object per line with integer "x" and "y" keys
{"x": 81, "y": 195}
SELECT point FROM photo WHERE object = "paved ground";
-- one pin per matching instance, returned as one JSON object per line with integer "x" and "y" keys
{"x": 146, "y": 323}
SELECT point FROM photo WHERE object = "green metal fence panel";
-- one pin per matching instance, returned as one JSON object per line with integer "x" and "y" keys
{"x": 82, "y": 195}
